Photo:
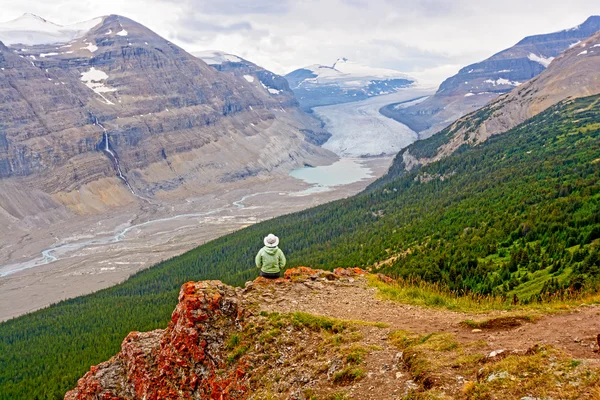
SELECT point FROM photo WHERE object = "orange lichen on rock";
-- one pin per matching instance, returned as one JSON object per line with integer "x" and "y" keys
{"x": 185, "y": 361}
{"x": 350, "y": 271}
{"x": 190, "y": 358}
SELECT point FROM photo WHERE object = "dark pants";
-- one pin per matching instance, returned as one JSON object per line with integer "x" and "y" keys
{"x": 270, "y": 275}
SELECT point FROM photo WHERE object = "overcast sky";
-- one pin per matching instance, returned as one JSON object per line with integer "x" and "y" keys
{"x": 429, "y": 39}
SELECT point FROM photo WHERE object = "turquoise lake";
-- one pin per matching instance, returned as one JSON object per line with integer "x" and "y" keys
{"x": 342, "y": 172}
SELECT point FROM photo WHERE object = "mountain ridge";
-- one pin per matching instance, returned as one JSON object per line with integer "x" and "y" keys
{"x": 477, "y": 84}
{"x": 575, "y": 73}
{"x": 344, "y": 81}
{"x": 101, "y": 82}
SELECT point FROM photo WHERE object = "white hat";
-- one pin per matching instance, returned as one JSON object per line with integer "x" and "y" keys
{"x": 271, "y": 240}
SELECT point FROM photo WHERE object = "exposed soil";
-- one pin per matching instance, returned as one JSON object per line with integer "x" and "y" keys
{"x": 574, "y": 332}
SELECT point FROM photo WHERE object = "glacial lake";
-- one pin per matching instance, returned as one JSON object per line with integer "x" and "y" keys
{"x": 342, "y": 172}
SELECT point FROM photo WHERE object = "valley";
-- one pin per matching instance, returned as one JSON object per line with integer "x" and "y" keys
{"x": 86, "y": 254}
{"x": 83, "y": 254}
{"x": 130, "y": 166}
{"x": 359, "y": 129}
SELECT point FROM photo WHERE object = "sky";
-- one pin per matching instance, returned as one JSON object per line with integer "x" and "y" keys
{"x": 428, "y": 39}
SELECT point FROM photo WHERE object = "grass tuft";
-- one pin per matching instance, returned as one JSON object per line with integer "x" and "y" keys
{"x": 425, "y": 294}
{"x": 348, "y": 375}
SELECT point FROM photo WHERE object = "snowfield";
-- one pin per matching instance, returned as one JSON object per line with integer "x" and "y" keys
{"x": 359, "y": 129}
{"x": 31, "y": 30}
{"x": 215, "y": 57}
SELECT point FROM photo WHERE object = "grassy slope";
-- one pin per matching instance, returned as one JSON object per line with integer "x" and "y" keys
{"x": 539, "y": 174}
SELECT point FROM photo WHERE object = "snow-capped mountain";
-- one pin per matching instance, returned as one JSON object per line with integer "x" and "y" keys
{"x": 342, "y": 82}
{"x": 120, "y": 109}
{"x": 29, "y": 29}
{"x": 477, "y": 84}
{"x": 275, "y": 85}
{"x": 573, "y": 74}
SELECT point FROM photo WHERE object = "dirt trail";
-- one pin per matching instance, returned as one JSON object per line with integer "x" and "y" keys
{"x": 574, "y": 332}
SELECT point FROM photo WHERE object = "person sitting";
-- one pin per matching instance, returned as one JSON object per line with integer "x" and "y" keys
{"x": 270, "y": 259}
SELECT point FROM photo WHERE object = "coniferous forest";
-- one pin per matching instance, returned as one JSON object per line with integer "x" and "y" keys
{"x": 518, "y": 216}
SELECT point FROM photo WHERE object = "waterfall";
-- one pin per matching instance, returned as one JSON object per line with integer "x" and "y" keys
{"x": 113, "y": 156}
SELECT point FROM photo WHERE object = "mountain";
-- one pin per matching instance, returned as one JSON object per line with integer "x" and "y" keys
{"x": 29, "y": 29}
{"x": 477, "y": 84}
{"x": 573, "y": 74}
{"x": 343, "y": 82}
{"x": 515, "y": 218}
{"x": 119, "y": 112}
{"x": 276, "y": 85}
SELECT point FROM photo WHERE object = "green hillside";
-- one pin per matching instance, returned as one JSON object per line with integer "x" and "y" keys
{"x": 519, "y": 214}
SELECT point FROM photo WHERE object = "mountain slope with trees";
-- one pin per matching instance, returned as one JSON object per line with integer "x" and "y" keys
{"x": 517, "y": 215}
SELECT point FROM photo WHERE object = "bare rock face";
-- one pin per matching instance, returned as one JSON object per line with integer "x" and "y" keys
{"x": 191, "y": 358}
{"x": 123, "y": 102}
{"x": 179, "y": 362}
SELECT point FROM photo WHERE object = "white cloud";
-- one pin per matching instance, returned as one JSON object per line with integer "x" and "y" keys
{"x": 427, "y": 38}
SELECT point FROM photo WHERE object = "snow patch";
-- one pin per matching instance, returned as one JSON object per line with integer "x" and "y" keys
{"x": 93, "y": 80}
{"x": 122, "y": 32}
{"x": 596, "y": 45}
{"x": 502, "y": 81}
{"x": 574, "y": 44}
{"x": 215, "y": 57}
{"x": 249, "y": 78}
{"x": 90, "y": 47}
{"x": 48, "y": 54}
{"x": 469, "y": 94}
{"x": 271, "y": 90}
{"x": 582, "y": 53}
{"x": 545, "y": 61}
{"x": 108, "y": 32}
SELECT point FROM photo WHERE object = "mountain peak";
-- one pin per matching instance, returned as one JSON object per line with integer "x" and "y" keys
{"x": 30, "y": 29}
{"x": 341, "y": 60}
{"x": 30, "y": 16}
{"x": 592, "y": 20}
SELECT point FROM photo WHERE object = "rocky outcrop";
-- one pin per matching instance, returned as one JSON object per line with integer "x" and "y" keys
{"x": 171, "y": 120}
{"x": 477, "y": 84}
{"x": 192, "y": 358}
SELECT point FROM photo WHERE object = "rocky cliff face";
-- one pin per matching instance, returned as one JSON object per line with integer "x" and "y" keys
{"x": 215, "y": 347}
{"x": 477, "y": 84}
{"x": 275, "y": 85}
{"x": 120, "y": 103}
{"x": 573, "y": 74}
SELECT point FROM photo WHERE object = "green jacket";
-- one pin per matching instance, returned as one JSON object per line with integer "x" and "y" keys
{"x": 270, "y": 259}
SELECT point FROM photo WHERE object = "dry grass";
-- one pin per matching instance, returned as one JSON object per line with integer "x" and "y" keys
{"x": 425, "y": 294}
{"x": 447, "y": 369}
